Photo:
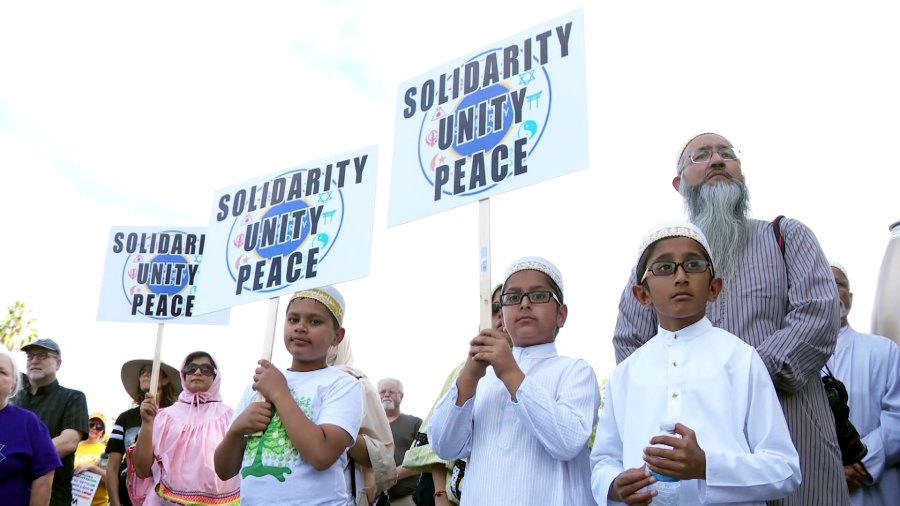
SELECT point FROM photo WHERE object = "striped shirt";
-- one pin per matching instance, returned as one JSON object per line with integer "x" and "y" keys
{"x": 787, "y": 308}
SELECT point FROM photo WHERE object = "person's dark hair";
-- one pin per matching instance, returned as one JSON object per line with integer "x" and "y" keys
{"x": 495, "y": 305}
{"x": 167, "y": 396}
{"x": 200, "y": 354}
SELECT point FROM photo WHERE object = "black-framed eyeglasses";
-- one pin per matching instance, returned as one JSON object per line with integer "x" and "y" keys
{"x": 96, "y": 425}
{"x": 205, "y": 369}
{"x": 41, "y": 355}
{"x": 536, "y": 297}
{"x": 668, "y": 267}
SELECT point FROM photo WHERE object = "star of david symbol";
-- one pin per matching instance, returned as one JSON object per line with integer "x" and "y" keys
{"x": 325, "y": 197}
{"x": 2, "y": 457}
{"x": 526, "y": 78}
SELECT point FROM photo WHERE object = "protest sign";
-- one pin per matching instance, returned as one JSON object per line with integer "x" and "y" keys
{"x": 84, "y": 486}
{"x": 151, "y": 276}
{"x": 303, "y": 227}
{"x": 509, "y": 115}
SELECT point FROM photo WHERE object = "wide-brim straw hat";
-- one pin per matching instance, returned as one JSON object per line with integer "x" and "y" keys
{"x": 131, "y": 376}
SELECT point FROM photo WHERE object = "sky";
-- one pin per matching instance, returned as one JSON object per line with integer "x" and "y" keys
{"x": 117, "y": 114}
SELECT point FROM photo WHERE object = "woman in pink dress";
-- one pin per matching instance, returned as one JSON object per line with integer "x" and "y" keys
{"x": 176, "y": 444}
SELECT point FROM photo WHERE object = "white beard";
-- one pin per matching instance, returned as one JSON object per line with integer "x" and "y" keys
{"x": 388, "y": 404}
{"x": 720, "y": 210}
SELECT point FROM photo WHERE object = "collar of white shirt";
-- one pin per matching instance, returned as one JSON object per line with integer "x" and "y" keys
{"x": 545, "y": 350}
{"x": 686, "y": 334}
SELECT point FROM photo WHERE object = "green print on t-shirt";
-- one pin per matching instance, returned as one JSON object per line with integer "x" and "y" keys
{"x": 273, "y": 454}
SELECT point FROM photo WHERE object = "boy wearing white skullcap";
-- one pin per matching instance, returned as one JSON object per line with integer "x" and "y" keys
{"x": 732, "y": 443}
{"x": 530, "y": 419}
{"x": 312, "y": 414}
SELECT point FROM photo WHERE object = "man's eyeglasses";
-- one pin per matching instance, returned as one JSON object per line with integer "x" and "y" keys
{"x": 205, "y": 369}
{"x": 536, "y": 297}
{"x": 705, "y": 154}
{"x": 96, "y": 425}
{"x": 668, "y": 268}
{"x": 41, "y": 355}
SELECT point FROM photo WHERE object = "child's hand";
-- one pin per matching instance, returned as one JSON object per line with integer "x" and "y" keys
{"x": 625, "y": 488}
{"x": 148, "y": 409}
{"x": 474, "y": 369}
{"x": 685, "y": 461}
{"x": 269, "y": 381}
{"x": 492, "y": 346}
{"x": 253, "y": 420}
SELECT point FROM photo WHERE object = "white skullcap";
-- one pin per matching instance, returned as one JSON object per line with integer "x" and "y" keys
{"x": 329, "y": 296}
{"x": 839, "y": 267}
{"x": 672, "y": 229}
{"x": 536, "y": 264}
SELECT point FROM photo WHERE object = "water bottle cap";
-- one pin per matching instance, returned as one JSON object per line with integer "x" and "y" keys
{"x": 667, "y": 425}
{"x": 895, "y": 228}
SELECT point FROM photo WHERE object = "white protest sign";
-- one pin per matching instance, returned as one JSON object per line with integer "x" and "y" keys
{"x": 151, "y": 276}
{"x": 84, "y": 486}
{"x": 509, "y": 115}
{"x": 302, "y": 227}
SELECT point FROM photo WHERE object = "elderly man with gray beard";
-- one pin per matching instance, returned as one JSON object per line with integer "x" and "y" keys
{"x": 783, "y": 303}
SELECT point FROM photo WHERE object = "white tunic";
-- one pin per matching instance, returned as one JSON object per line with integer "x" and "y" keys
{"x": 714, "y": 383}
{"x": 869, "y": 366}
{"x": 532, "y": 451}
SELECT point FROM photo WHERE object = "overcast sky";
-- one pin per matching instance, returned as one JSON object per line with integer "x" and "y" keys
{"x": 133, "y": 115}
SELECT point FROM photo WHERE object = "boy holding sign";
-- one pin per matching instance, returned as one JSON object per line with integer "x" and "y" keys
{"x": 534, "y": 410}
{"x": 312, "y": 415}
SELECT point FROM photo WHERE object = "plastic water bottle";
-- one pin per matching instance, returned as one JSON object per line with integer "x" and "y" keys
{"x": 666, "y": 487}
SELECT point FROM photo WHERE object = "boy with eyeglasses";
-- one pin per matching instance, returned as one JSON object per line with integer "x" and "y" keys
{"x": 731, "y": 442}
{"x": 526, "y": 429}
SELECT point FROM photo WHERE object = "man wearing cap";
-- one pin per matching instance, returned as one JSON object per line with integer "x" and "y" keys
{"x": 869, "y": 367}
{"x": 136, "y": 380}
{"x": 780, "y": 301}
{"x": 63, "y": 410}
{"x": 89, "y": 457}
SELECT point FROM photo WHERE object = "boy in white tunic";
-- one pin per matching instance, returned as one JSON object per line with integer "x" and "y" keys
{"x": 732, "y": 444}
{"x": 525, "y": 431}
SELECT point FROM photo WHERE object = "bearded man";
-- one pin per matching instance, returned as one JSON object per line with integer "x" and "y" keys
{"x": 783, "y": 303}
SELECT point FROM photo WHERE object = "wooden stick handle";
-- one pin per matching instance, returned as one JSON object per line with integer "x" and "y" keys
{"x": 484, "y": 261}
{"x": 154, "y": 374}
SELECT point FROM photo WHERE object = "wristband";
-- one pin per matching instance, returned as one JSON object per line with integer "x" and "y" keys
{"x": 440, "y": 493}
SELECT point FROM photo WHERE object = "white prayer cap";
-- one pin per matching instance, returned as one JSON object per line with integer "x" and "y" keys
{"x": 329, "y": 296}
{"x": 671, "y": 229}
{"x": 539, "y": 264}
{"x": 839, "y": 267}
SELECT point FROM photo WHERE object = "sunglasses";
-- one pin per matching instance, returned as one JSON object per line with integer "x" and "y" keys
{"x": 205, "y": 369}
{"x": 96, "y": 425}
